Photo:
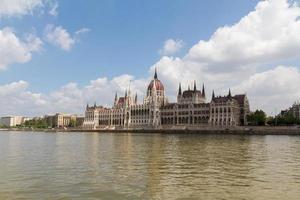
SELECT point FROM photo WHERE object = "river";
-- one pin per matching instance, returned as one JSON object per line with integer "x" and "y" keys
{"x": 46, "y": 166}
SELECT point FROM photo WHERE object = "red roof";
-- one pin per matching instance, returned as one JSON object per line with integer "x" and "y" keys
{"x": 221, "y": 99}
{"x": 190, "y": 93}
{"x": 121, "y": 100}
{"x": 158, "y": 85}
{"x": 240, "y": 98}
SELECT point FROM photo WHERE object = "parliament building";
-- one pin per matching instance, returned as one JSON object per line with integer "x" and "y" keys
{"x": 190, "y": 111}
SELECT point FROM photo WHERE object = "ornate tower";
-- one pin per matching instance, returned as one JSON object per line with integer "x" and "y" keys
{"x": 116, "y": 99}
{"x": 179, "y": 95}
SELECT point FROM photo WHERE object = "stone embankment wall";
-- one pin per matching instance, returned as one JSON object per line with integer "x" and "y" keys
{"x": 246, "y": 130}
{"x": 250, "y": 130}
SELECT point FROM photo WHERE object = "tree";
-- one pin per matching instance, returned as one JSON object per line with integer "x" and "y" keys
{"x": 72, "y": 123}
{"x": 36, "y": 123}
{"x": 286, "y": 119}
{"x": 271, "y": 120}
{"x": 257, "y": 118}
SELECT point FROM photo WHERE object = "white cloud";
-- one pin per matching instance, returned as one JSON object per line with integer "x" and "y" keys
{"x": 234, "y": 57}
{"x": 60, "y": 37}
{"x": 269, "y": 33}
{"x": 82, "y": 30}
{"x": 14, "y": 50}
{"x": 274, "y": 89}
{"x": 13, "y": 8}
{"x": 17, "y": 99}
{"x": 171, "y": 46}
{"x": 53, "y": 9}
{"x": 271, "y": 90}
{"x": 18, "y": 7}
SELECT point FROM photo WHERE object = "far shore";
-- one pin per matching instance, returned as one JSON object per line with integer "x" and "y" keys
{"x": 245, "y": 130}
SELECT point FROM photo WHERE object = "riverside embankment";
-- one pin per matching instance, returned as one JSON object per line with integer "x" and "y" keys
{"x": 247, "y": 130}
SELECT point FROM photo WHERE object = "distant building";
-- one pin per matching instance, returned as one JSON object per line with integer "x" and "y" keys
{"x": 294, "y": 110}
{"x": 12, "y": 121}
{"x": 190, "y": 110}
{"x": 61, "y": 120}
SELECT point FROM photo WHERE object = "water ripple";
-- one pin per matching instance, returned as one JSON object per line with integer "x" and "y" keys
{"x": 148, "y": 166}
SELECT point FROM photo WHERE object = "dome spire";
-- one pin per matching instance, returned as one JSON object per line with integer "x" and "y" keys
{"x": 155, "y": 74}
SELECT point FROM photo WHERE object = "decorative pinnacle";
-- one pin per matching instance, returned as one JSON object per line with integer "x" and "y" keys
{"x": 155, "y": 74}
{"x": 229, "y": 93}
{"x": 179, "y": 90}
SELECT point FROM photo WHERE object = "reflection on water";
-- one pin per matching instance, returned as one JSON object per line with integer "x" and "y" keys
{"x": 148, "y": 166}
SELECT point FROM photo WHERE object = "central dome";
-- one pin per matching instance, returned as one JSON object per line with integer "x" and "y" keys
{"x": 156, "y": 83}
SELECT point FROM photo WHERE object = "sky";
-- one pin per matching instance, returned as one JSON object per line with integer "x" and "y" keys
{"x": 59, "y": 55}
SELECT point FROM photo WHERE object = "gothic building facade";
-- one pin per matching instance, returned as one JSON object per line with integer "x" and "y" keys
{"x": 190, "y": 110}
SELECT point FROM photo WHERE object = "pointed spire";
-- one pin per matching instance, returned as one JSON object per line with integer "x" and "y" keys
{"x": 195, "y": 87}
{"x": 155, "y": 74}
{"x": 189, "y": 88}
{"x": 213, "y": 94}
{"x": 179, "y": 89}
{"x": 229, "y": 93}
{"x": 95, "y": 105}
{"x": 135, "y": 99}
{"x": 125, "y": 93}
{"x": 203, "y": 90}
{"x": 129, "y": 91}
{"x": 87, "y": 105}
{"x": 116, "y": 96}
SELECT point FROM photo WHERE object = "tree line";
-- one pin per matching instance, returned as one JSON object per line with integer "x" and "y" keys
{"x": 260, "y": 118}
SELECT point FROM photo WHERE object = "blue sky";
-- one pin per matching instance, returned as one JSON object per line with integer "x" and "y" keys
{"x": 58, "y": 55}
{"x": 125, "y": 37}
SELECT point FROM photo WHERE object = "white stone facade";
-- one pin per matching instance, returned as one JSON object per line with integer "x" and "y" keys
{"x": 127, "y": 113}
{"x": 11, "y": 121}
{"x": 156, "y": 112}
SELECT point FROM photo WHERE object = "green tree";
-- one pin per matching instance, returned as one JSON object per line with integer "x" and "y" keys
{"x": 271, "y": 121}
{"x": 257, "y": 118}
{"x": 286, "y": 119}
{"x": 72, "y": 123}
{"x": 36, "y": 123}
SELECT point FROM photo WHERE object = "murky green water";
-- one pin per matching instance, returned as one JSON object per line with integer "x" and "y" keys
{"x": 148, "y": 166}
